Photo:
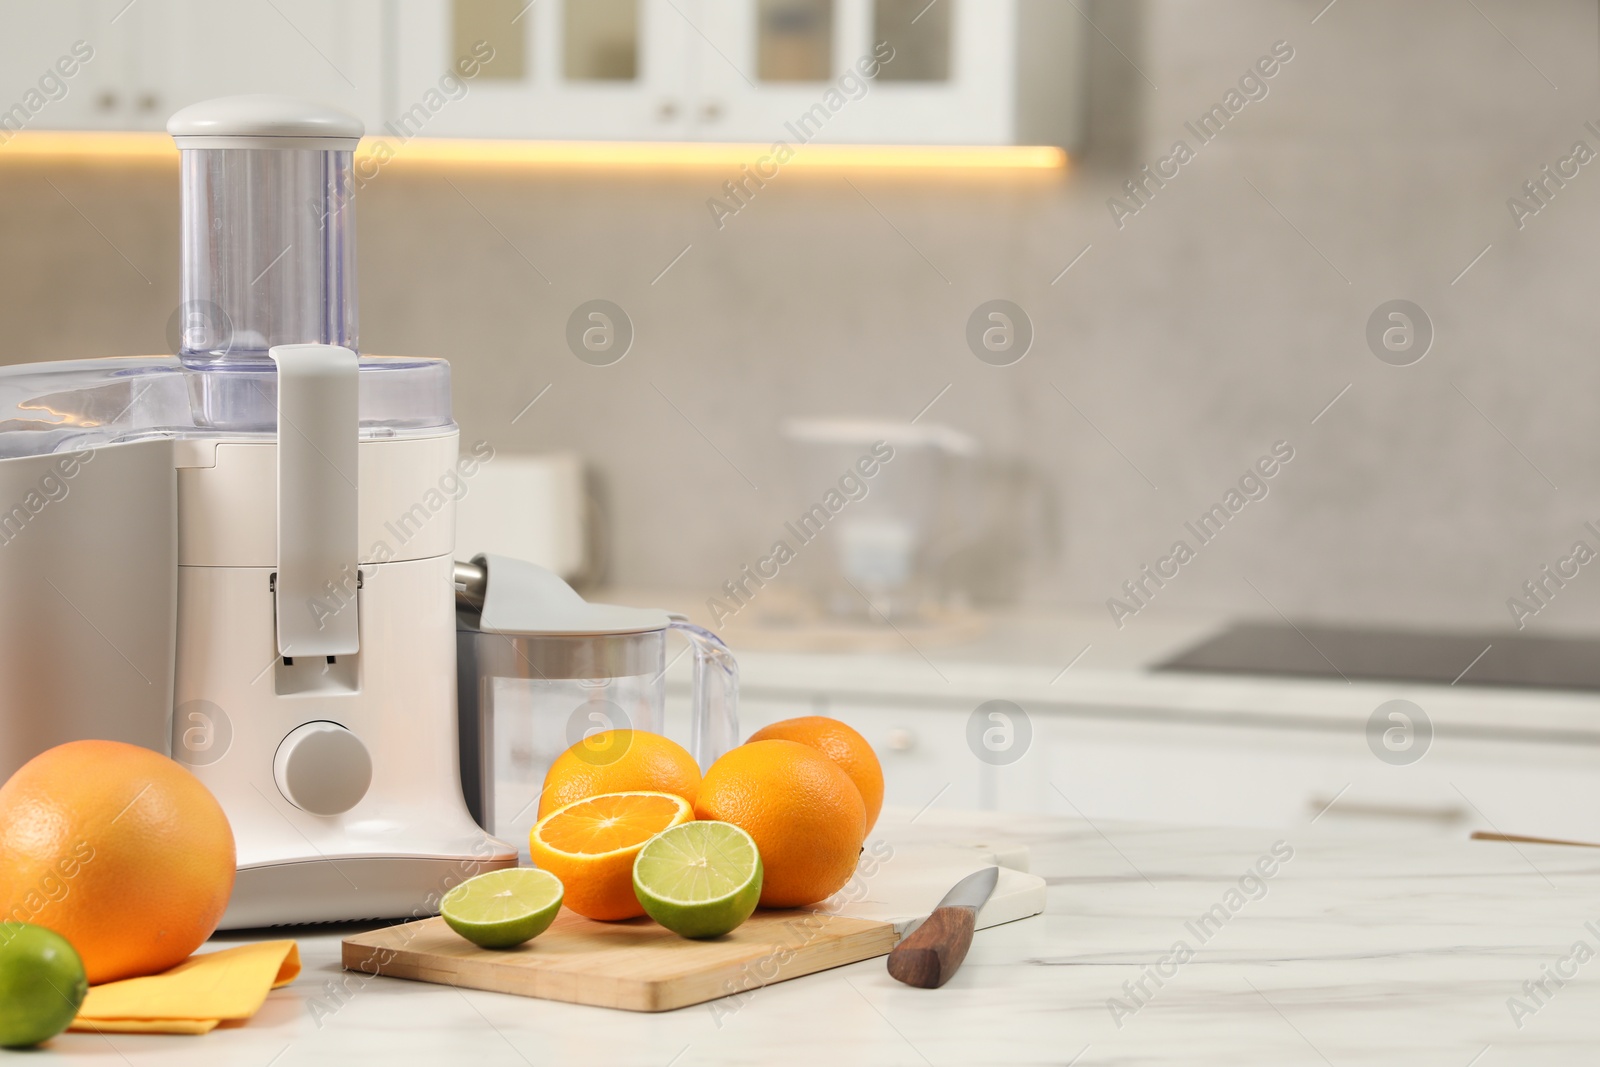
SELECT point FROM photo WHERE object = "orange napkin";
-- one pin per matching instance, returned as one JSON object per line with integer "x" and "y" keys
{"x": 196, "y": 995}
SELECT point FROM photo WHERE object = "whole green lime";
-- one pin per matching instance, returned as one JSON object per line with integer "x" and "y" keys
{"x": 42, "y": 984}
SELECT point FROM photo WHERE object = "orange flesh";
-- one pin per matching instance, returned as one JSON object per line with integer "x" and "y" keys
{"x": 607, "y": 823}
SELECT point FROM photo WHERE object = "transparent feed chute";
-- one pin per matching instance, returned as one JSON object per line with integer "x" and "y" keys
{"x": 268, "y": 229}
{"x": 268, "y": 259}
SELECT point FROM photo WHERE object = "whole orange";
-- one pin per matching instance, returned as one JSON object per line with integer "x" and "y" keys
{"x": 619, "y": 761}
{"x": 591, "y": 844}
{"x": 119, "y": 850}
{"x": 841, "y": 744}
{"x": 806, "y": 816}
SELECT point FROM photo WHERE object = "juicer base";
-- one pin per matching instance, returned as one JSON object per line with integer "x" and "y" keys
{"x": 352, "y": 889}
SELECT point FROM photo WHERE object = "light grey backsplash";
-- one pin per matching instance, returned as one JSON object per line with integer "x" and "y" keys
{"x": 1222, "y": 317}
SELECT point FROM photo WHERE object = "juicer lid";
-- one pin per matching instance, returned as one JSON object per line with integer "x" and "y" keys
{"x": 523, "y": 598}
{"x": 72, "y": 404}
{"x": 265, "y": 120}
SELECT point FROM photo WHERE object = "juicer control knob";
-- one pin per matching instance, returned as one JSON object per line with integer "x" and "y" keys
{"x": 322, "y": 768}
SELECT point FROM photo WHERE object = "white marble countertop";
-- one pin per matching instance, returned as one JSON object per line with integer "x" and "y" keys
{"x": 1353, "y": 950}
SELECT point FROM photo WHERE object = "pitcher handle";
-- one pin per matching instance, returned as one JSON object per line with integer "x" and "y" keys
{"x": 715, "y": 720}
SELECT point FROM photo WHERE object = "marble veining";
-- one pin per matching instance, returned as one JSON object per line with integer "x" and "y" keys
{"x": 1354, "y": 950}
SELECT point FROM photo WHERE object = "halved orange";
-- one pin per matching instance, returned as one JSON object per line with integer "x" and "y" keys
{"x": 591, "y": 844}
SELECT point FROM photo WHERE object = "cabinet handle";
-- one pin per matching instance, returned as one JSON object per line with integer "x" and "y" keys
{"x": 1487, "y": 835}
{"x": 106, "y": 101}
{"x": 901, "y": 740}
{"x": 667, "y": 111}
{"x": 711, "y": 111}
{"x": 1325, "y": 805}
{"x": 149, "y": 102}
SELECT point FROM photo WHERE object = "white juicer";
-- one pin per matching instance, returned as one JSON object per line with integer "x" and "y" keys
{"x": 250, "y": 564}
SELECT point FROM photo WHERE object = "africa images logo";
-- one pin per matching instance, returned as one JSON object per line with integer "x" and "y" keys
{"x": 1252, "y": 486}
{"x": 1253, "y": 85}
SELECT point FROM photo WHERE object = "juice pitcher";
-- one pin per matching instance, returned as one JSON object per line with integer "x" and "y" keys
{"x": 540, "y": 669}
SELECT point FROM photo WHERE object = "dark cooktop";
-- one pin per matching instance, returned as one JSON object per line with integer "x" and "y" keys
{"x": 1313, "y": 651}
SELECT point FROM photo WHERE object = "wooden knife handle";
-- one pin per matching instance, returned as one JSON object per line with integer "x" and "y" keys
{"x": 935, "y": 949}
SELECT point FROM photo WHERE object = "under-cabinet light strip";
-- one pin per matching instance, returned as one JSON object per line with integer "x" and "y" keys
{"x": 380, "y": 151}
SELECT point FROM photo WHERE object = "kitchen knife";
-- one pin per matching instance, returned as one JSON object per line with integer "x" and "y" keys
{"x": 933, "y": 951}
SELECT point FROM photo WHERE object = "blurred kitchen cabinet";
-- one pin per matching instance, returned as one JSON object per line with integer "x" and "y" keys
{"x": 796, "y": 71}
{"x": 148, "y": 58}
{"x": 978, "y": 72}
{"x": 60, "y": 66}
{"x": 329, "y": 52}
{"x": 548, "y": 69}
{"x": 133, "y": 51}
{"x": 1105, "y": 764}
{"x": 830, "y": 71}
{"x": 1208, "y": 773}
{"x": 926, "y": 762}
{"x": 981, "y": 72}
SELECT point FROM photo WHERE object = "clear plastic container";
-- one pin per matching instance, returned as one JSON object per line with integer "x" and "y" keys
{"x": 268, "y": 256}
{"x": 540, "y": 670}
{"x": 882, "y": 525}
{"x": 524, "y": 699}
{"x": 268, "y": 233}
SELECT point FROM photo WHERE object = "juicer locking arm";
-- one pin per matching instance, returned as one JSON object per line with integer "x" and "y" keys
{"x": 318, "y": 500}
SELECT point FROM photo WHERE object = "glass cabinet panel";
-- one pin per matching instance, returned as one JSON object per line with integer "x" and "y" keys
{"x": 739, "y": 70}
{"x": 601, "y": 40}
{"x": 503, "y": 25}
{"x": 919, "y": 31}
{"x": 794, "y": 40}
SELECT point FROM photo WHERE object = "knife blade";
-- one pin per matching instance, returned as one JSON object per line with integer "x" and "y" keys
{"x": 932, "y": 952}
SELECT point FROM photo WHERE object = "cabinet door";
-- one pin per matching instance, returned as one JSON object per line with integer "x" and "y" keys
{"x": 592, "y": 70}
{"x": 135, "y": 91}
{"x": 1118, "y": 768}
{"x": 49, "y": 84}
{"x": 793, "y": 71}
{"x": 328, "y": 52}
{"x": 1211, "y": 774}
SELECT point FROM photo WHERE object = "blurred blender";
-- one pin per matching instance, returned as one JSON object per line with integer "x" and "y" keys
{"x": 884, "y": 536}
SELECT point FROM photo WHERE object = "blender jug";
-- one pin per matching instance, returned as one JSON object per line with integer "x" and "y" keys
{"x": 540, "y": 669}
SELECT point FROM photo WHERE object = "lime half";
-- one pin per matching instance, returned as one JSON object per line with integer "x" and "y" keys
{"x": 502, "y": 909}
{"x": 41, "y": 984}
{"x": 700, "y": 879}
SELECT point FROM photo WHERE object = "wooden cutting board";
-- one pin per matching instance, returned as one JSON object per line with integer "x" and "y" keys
{"x": 639, "y": 966}
{"x": 635, "y": 965}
